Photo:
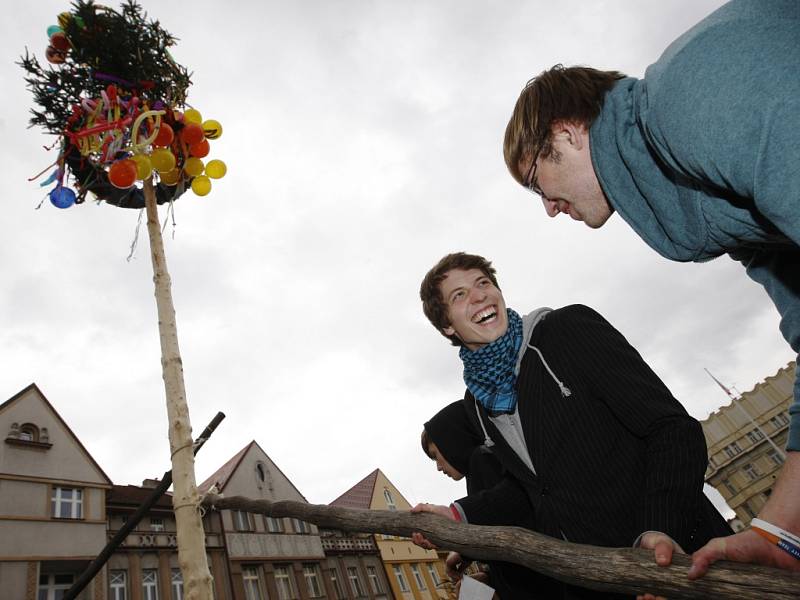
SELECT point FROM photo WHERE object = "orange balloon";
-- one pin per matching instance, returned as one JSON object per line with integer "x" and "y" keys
{"x": 200, "y": 149}
{"x": 164, "y": 136}
{"x": 170, "y": 177}
{"x": 122, "y": 173}
{"x": 192, "y": 134}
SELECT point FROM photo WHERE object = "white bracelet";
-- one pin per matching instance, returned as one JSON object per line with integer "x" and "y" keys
{"x": 775, "y": 530}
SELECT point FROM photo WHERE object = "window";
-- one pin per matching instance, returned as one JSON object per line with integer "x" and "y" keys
{"x": 731, "y": 488}
{"x": 751, "y": 471}
{"x": 337, "y": 586}
{"x": 156, "y": 524}
{"x": 733, "y": 449}
{"x": 283, "y": 581}
{"x": 67, "y": 503}
{"x": 418, "y": 578}
{"x": 374, "y": 581}
{"x": 401, "y": 579}
{"x": 149, "y": 584}
{"x": 301, "y": 526}
{"x": 252, "y": 583}
{"x": 312, "y": 581}
{"x": 29, "y": 432}
{"x": 261, "y": 473}
{"x": 355, "y": 582}
{"x": 387, "y": 495}
{"x": 274, "y": 525}
{"x": 779, "y": 420}
{"x": 177, "y": 584}
{"x": 53, "y": 585}
{"x": 755, "y": 436}
{"x": 118, "y": 582}
{"x": 775, "y": 457}
{"x": 242, "y": 521}
{"x": 434, "y": 575}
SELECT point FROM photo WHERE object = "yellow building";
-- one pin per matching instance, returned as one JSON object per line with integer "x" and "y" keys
{"x": 746, "y": 441}
{"x": 413, "y": 573}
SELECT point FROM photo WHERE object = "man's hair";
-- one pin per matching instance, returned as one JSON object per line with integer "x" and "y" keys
{"x": 571, "y": 94}
{"x": 433, "y": 303}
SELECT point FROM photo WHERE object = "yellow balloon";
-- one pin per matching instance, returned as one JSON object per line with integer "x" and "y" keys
{"x": 212, "y": 129}
{"x": 192, "y": 116}
{"x": 171, "y": 177}
{"x": 144, "y": 168}
{"x": 216, "y": 169}
{"x": 193, "y": 166}
{"x": 162, "y": 160}
{"x": 201, "y": 185}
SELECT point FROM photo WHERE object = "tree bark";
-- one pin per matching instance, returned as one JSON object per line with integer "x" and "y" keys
{"x": 623, "y": 570}
{"x": 191, "y": 537}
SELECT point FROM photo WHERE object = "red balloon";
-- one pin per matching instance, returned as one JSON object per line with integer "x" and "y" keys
{"x": 164, "y": 136}
{"x": 55, "y": 56}
{"x": 59, "y": 41}
{"x": 192, "y": 133}
{"x": 122, "y": 173}
{"x": 200, "y": 149}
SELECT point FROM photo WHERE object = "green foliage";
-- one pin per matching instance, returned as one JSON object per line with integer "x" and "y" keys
{"x": 105, "y": 46}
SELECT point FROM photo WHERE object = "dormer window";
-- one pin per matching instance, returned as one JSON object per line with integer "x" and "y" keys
{"x": 28, "y": 435}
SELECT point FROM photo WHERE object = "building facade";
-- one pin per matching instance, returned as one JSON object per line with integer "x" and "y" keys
{"x": 145, "y": 566}
{"x": 288, "y": 559}
{"x": 413, "y": 573}
{"x": 58, "y": 509}
{"x": 746, "y": 441}
{"x": 52, "y": 502}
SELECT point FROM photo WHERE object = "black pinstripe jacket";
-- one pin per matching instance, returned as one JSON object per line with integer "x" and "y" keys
{"x": 617, "y": 457}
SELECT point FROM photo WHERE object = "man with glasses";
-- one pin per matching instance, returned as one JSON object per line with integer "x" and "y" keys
{"x": 700, "y": 158}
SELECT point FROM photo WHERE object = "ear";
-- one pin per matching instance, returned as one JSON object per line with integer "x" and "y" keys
{"x": 449, "y": 331}
{"x": 574, "y": 134}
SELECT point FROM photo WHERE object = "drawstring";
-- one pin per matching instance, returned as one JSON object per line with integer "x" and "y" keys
{"x": 565, "y": 391}
{"x": 487, "y": 441}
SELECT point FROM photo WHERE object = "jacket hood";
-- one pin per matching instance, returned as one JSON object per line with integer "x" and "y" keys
{"x": 453, "y": 435}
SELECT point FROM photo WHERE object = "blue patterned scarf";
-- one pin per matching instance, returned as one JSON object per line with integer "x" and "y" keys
{"x": 489, "y": 370}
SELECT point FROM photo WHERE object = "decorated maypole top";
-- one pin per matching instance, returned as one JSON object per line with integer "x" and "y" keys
{"x": 117, "y": 101}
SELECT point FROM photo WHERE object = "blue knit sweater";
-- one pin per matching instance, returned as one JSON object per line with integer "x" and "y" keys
{"x": 702, "y": 156}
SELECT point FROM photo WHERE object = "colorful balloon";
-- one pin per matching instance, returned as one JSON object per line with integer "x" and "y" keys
{"x": 164, "y": 136}
{"x": 144, "y": 168}
{"x": 53, "y": 29}
{"x": 192, "y": 133}
{"x": 200, "y": 150}
{"x": 192, "y": 116}
{"x": 170, "y": 177}
{"x": 212, "y": 129}
{"x": 162, "y": 160}
{"x": 216, "y": 169}
{"x": 54, "y": 56}
{"x": 59, "y": 41}
{"x": 62, "y": 197}
{"x": 193, "y": 166}
{"x": 122, "y": 173}
{"x": 201, "y": 185}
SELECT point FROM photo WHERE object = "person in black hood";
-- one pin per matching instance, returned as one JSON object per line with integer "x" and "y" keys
{"x": 459, "y": 452}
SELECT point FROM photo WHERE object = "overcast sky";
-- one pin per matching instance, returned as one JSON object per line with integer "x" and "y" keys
{"x": 363, "y": 141}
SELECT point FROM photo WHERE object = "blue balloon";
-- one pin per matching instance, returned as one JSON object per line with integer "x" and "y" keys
{"x": 62, "y": 197}
{"x": 53, "y": 29}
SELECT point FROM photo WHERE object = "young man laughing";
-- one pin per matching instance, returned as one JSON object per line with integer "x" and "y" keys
{"x": 594, "y": 448}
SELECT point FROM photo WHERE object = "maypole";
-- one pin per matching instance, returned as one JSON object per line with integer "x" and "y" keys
{"x": 116, "y": 100}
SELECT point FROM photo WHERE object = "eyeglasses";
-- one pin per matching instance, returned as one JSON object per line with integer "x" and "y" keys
{"x": 530, "y": 178}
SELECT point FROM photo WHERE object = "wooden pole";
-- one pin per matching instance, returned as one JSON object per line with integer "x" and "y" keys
{"x": 197, "y": 580}
{"x": 623, "y": 570}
